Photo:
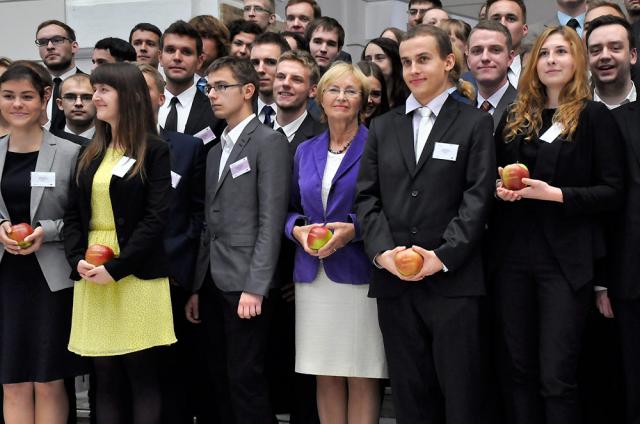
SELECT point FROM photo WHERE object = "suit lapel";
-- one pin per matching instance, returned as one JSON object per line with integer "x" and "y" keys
{"x": 194, "y": 114}
{"x": 44, "y": 164}
{"x": 353, "y": 153}
{"x": 403, "y": 129}
{"x": 4, "y": 146}
{"x": 445, "y": 118}
{"x": 633, "y": 127}
{"x": 507, "y": 98}
{"x": 242, "y": 141}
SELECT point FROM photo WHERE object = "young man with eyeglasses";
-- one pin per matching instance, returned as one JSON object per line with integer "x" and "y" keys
{"x": 57, "y": 47}
{"x": 246, "y": 199}
{"x": 417, "y": 9}
{"x": 261, "y": 12}
{"x": 242, "y": 35}
{"x": 300, "y": 13}
{"x": 76, "y": 102}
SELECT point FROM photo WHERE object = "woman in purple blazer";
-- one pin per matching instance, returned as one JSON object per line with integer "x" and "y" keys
{"x": 337, "y": 333}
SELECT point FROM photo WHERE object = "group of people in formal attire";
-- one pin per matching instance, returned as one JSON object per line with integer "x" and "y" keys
{"x": 206, "y": 154}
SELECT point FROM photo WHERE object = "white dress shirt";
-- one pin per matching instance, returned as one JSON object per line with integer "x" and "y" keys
{"x": 229, "y": 138}
{"x": 494, "y": 99}
{"x": 513, "y": 74}
{"x": 185, "y": 101}
{"x": 632, "y": 95}
{"x": 86, "y": 134}
{"x": 261, "y": 106}
{"x": 292, "y": 127}
{"x": 435, "y": 105}
{"x": 563, "y": 18}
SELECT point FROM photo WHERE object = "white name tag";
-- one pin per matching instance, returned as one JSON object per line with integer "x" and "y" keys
{"x": 552, "y": 133}
{"x": 43, "y": 179}
{"x": 175, "y": 179}
{"x": 240, "y": 167}
{"x": 123, "y": 165}
{"x": 206, "y": 135}
{"x": 445, "y": 151}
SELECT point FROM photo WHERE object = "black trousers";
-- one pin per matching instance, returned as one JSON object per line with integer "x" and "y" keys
{"x": 541, "y": 323}
{"x": 237, "y": 352}
{"x": 627, "y": 313}
{"x": 436, "y": 356}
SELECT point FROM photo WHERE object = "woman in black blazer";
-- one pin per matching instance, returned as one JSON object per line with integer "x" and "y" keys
{"x": 545, "y": 237}
{"x": 122, "y": 309}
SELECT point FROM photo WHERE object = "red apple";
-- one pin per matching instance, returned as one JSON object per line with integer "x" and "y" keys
{"x": 408, "y": 262}
{"x": 19, "y": 232}
{"x": 512, "y": 176}
{"x": 97, "y": 254}
{"x": 318, "y": 237}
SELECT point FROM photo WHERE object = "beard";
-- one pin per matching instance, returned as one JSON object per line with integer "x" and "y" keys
{"x": 63, "y": 65}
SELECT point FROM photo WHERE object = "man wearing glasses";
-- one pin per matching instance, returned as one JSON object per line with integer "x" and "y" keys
{"x": 417, "y": 9}
{"x": 57, "y": 47}
{"x": 259, "y": 11}
{"x": 76, "y": 95}
{"x": 246, "y": 200}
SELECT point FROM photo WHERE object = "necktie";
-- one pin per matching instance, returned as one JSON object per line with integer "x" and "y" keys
{"x": 426, "y": 123}
{"x": 281, "y": 131}
{"x": 171, "y": 124}
{"x": 268, "y": 113}
{"x": 202, "y": 82}
{"x": 57, "y": 116}
{"x": 573, "y": 24}
{"x": 486, "y": 106}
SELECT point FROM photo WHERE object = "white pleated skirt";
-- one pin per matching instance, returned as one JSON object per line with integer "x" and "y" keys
{"x": 337, "y": 332}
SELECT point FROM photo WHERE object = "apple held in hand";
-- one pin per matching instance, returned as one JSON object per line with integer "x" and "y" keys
{"x": 318, "y": 237}
{"x": 19, "y": 232}
{"x": 98, "y": 254}
{"x": 408, "y": 262}
{"x": 512, "y": 176}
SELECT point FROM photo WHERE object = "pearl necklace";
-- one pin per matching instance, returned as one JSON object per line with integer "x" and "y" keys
{"x": 341, "y": 151}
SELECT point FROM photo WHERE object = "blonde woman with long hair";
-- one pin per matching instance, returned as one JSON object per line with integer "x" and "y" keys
{"x": 546, "y": 236}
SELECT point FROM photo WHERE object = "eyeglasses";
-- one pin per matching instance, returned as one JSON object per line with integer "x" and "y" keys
{"x": 256, "y": 9}
{"x": 219, "y": 88}
{"x": 56, "y": 41}
{"x": 72, "y": 98}
{"x": 349, "y": 93}
{"x": 416, "y": 12}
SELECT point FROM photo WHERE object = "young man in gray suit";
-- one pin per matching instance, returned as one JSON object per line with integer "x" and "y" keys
{"x": 246, "y": 201}
{"x": 489, "y": 55}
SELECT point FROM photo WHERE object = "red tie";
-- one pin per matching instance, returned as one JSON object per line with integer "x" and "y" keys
{"x": 486, "y": 106}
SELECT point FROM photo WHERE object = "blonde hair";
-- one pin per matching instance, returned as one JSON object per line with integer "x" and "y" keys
{"x": 335, "y": 72}
{"x": 525, "y": 117}
{"x": 145, "y": 68}
{"x": 455, "y": 76}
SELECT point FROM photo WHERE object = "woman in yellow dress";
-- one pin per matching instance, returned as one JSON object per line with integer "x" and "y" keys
{"x": 122, "y": 309}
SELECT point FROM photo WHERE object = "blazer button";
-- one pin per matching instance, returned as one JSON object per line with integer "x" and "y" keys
{"x": 414, "y": 230}
{"x": 414, "y": 193}
{"x": 120, "y": 221}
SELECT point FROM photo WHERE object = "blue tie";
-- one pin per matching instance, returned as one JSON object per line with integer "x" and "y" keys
{"x": 202, "y": 82}
{"x": 268, "y": 113}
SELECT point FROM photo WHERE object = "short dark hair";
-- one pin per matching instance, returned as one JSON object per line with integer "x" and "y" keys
{"x": 520, "y": 3}
{"x": 606, "y": 20}
{"x": 39, "y": 69}
{"x": 22, "y": 71}
{"x": 240, "y": 25}
{"x": 71, "y": 34}
{"x": 317, "y": 12}
{"x": 241, "y": 68}
{"x": 300, "y": 40}
{"x": 145, "y": 26}
{"x": 595, "y": 4}
{"x": 328, "y": 24}
{"x": 118, "y": 48}
{"x": 182, "y": 28}
{"x": 442, "y": 38}
{"x": 495, "y": 26}
{"x": 272, "y": 38}
{"x": 435, "y": 3}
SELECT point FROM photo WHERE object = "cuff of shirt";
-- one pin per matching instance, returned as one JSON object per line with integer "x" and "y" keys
{"x": 599, "y": 288}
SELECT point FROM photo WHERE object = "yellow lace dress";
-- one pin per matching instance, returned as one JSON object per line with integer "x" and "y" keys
{"x": 124, "y": 316}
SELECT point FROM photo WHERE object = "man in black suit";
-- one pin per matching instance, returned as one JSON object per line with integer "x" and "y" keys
{"x": 57, "y": 47}
{"x": 76, "y": 103}
{"x": 246, "y": 201}
{"x": 426, "y": 183}
{"x": 187, "y": 110}
{"x": 489, "y": 55}
{"x": 265, "y": 51}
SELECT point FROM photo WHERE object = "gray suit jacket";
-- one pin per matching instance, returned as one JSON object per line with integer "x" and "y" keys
{"x": 245, "y": 215}
{"x": 48, "y": 205}
{"x": 508, "y": 97}
{"x": 538, "y": 28}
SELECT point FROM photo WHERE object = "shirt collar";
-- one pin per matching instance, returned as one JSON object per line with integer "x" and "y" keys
{"x": 495, "y": 98}
{"x": 516, "y": 65}
{"x": 563, "y": 18}
{"x": 185, "y": 98}
{"x": 87, "y": 134}
{"x": 434, "y": 105}
{"x": 231, "y": 136}
{"x": 66, "y": 75}
{"x": 632, "y": 95}
{"x": 291, "y": 128}
{"x": 262, "y": 104}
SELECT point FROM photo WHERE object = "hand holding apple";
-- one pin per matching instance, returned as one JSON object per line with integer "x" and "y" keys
{"x": 408, "y": 262}
{"x": 512, "y": 176}
{"x": 318, "y": 236}
{"x": 33, "y": 242}
{"x": 301, "y": 233}
{"x": 540, "y": 190}
{"x": 99, "y": 275}
{"x": 84, "y": 267}
{"x": 98, "y": 254}
{"x": 10, "y": 245}
{"x": 387, "y": 261}
{"x": 431, "y": 265}
{"x": 19, "y": 232}
{"x": 343, "y": 233}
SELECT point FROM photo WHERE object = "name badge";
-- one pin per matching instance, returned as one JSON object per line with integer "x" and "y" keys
{"x": 552, "y": 133}
{"x": 175, "y": 179}
{"x": 43, "y": 179}
{"x": 206, "y": 135}
{"x": 445, "y": 151}
{"x": 240, "y": 167}
{"x": 123, "y": 165}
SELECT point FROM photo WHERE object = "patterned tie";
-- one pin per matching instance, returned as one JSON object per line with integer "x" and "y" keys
{"x": 486, "y": 106}
{"x": 202, "y": 82}
{"x": 573, "y": 24}
{"x": 171, "y": 124}
{"x": 268, "y": 113}
{"x": 426, "y": 123}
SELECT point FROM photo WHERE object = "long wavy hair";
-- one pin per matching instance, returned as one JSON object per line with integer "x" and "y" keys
{"x": 397, "y": 88}
{"x": 525, "y": 116}
{"x": 136, "y": 125}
